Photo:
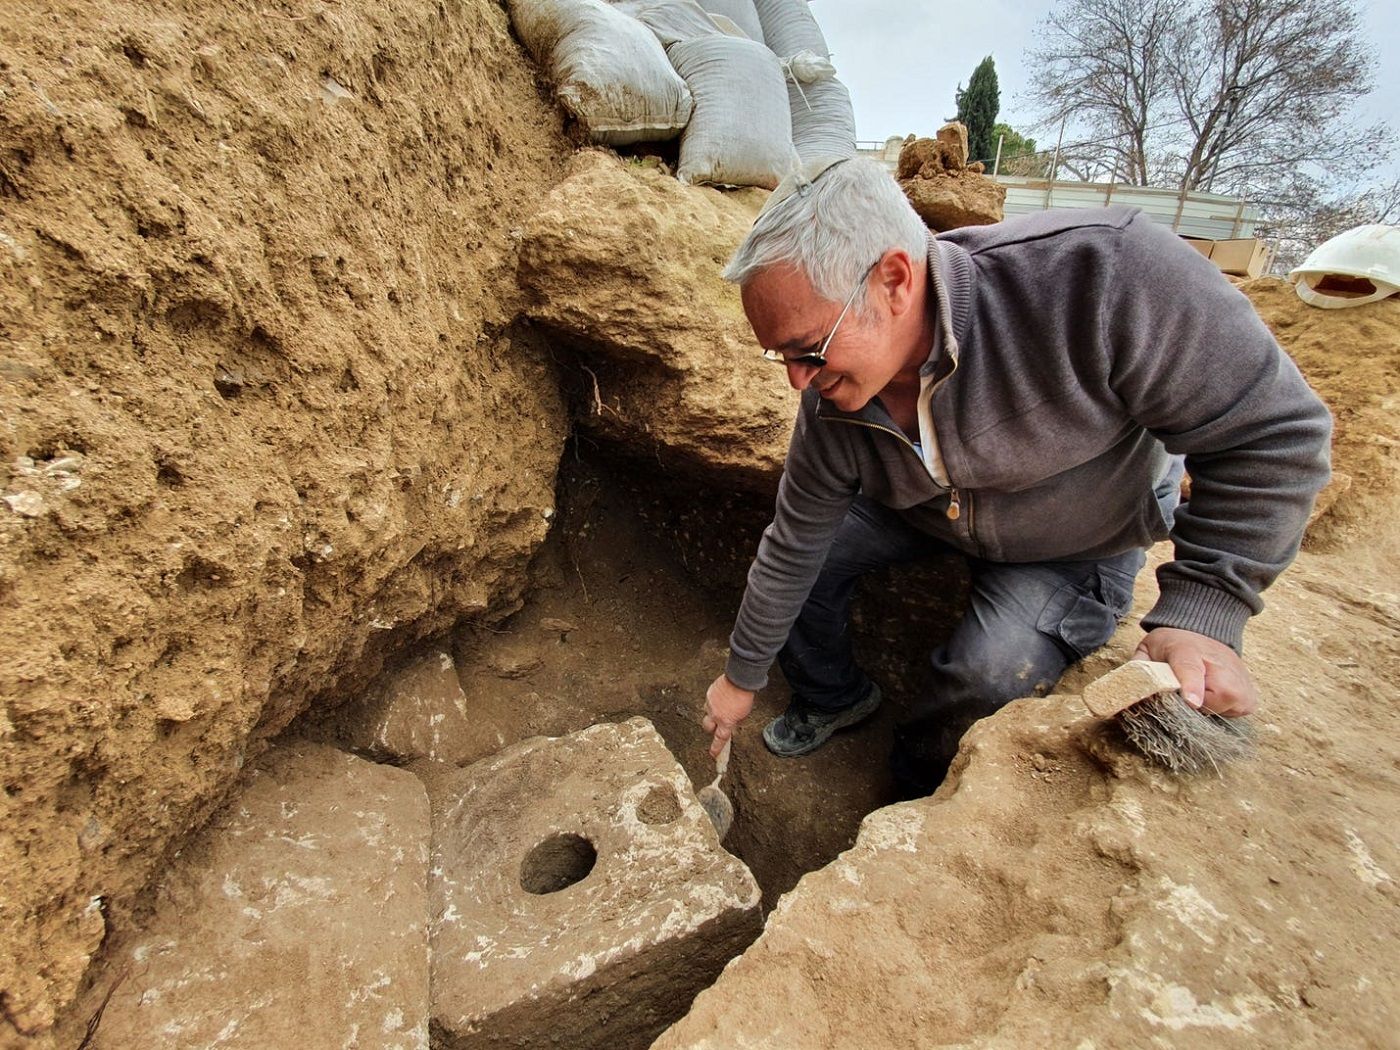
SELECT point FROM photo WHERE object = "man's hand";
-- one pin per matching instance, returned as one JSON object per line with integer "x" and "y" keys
{"x": 726, "y": 705}
{"x": 1211, "y": 675}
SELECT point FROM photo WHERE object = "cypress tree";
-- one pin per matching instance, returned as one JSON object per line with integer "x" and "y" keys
{"x": 977, "y": 108}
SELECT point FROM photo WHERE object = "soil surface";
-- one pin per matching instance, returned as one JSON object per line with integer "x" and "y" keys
{"x": 270, "y": 419}
{"x": 1352, "y": 359}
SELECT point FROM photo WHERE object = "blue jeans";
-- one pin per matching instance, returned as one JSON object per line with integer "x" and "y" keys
{"x": 1023, "y": 626}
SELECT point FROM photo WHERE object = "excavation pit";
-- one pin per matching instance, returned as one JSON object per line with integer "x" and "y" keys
{"x": 564, "y": 901}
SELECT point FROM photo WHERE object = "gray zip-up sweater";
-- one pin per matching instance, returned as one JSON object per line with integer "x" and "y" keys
{"x": 1076, "y": 350}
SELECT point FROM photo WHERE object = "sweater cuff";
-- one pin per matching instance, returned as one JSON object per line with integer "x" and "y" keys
{"x": 746, "y": 674}
{"x": 1198, "y": 607}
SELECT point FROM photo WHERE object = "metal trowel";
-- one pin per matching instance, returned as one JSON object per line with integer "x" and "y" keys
{"x": 715, "y": 802}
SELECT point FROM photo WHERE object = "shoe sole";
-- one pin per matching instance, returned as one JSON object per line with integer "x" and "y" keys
{"x": 853, "y": 717}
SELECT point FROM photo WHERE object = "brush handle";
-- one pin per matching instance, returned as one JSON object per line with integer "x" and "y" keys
{"x": 722, "y": 759}
{"x": 1126, "y": 685}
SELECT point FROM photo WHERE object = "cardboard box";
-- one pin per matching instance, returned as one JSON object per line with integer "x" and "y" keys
{"x": 1201, "y": 244}
{"x": 1246, "y": 257}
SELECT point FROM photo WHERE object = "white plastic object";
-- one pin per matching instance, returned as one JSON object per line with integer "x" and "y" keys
{"x": 1368, "y": 253}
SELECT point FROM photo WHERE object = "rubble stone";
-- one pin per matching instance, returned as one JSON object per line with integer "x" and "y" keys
{"x": 949, "y": 201}
{"x": 578, "y": 890}
{"x": 622, "y": 265}
{"x": 421, "y": 713}
{"x": 954, "y": 134}
{"x": 942, "y": 187}
{"x": 297, "y": 919}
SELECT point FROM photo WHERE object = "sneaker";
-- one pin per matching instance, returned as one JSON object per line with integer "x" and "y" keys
{"x": 803, "y": 728}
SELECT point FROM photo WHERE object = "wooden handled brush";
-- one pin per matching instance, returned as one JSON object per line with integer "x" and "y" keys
{"x": 1144, "y": 698}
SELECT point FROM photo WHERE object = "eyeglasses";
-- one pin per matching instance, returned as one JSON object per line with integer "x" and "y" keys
{"x": 818, "y": 360}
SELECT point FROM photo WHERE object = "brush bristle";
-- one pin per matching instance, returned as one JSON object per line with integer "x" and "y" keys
{"x": 1181, "y": 739}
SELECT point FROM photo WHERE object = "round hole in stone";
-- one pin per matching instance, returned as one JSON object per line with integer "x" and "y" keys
{"x": 557, "y": 863}
{"x": 661, "y": 806}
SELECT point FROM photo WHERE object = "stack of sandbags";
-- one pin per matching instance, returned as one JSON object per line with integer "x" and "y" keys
{"x": 740, "y": 133}
{"x": 675, "y": 20}
{"x": 743, "y": 81}
{"x": 823, "y": 121}
{"x": 608, "y": 69}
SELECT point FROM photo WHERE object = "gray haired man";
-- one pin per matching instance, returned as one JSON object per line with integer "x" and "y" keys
{"x": 1024, "y": 394}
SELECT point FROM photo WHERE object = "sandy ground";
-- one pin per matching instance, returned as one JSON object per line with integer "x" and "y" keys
{"x": 270, "y": 419}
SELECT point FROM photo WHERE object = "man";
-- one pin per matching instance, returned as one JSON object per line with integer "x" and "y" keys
{"x": 1025, "y": 394}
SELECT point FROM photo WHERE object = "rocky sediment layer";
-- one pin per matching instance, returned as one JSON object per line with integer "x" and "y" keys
{"x": 262, "y": 421}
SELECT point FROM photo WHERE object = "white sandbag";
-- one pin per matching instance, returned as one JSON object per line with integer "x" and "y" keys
{"x": 788, "y": 27}
{"x": 727, "y": 27}
{"x": 741, "y": 131}
{"x": 741, "y": 13}
{"x": 673, "y": 20}
{"x": 823, "y": 120}
{"x": 608, "y": 69}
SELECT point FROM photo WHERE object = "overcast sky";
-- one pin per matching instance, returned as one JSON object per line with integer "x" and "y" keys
{"x": 903, "y": 61}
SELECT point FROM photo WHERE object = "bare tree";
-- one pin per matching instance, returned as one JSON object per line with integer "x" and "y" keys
{"x": 1249, "y": 97}
{"x": 1102, "y": 67}
{"x": 1295, "y": 232}
{"x": 1264, "y": 84}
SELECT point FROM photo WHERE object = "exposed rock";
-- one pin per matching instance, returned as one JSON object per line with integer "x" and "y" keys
{"x": 256, "y": 351}
{"x": 943, "y": 189}
{"x": 954, "y": 134}
{"x": 266, "y": 423}
{"x": 926, "y": 158}
{"x": 420, "y": 713}
{"x": 297, "y": 918}
{"x": 1088, "y": 899}
{"x": 951, "y": 200}
{"x": 623, "y": 266}
{"x": 580, "y": 891}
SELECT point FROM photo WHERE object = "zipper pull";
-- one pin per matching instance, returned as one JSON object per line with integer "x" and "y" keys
{"x": 954, "y": 505}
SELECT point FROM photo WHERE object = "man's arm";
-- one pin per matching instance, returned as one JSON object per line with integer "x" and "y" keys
{"x": 818, "y": 484}
{"x": 1194, "y": 363}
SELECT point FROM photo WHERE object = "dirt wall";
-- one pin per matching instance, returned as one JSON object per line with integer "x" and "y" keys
{"x": 1352, "y": 359}
{"x": 261, "y": 418}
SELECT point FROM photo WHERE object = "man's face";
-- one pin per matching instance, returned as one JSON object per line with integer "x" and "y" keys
{"x": 787, "y": 315}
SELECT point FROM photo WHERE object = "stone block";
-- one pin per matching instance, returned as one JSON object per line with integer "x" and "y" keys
{"x": 580, "y": 896}
{"x": 420, "y": 713}
{"x": 297, "y": 919}
{"x": 1126, "y": 685}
